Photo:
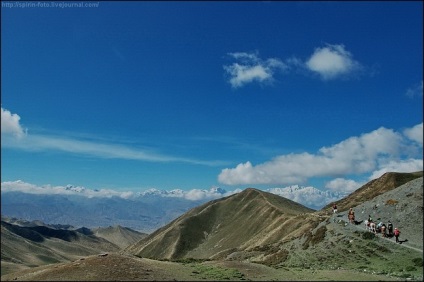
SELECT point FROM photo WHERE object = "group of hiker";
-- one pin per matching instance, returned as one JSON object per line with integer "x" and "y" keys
{"x": 386, "y": 231}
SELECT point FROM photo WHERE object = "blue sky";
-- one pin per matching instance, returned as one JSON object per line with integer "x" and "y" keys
{"x": 190, "y": 95}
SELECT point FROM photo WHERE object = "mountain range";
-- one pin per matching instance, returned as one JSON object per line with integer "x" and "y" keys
{"x": 26, "y": 244}
{"x": 250, "y": 235}
{"x": 142, "y": 211}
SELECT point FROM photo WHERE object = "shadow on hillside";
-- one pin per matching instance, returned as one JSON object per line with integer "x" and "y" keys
{"x": 403, "y": 241}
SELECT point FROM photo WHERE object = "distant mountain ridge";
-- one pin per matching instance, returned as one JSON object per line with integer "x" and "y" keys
{"x": 143, "y": 211}
{"x": 144, "y": 214}
{"x": 258, "y": 226}
{"x": 252, "y": 226}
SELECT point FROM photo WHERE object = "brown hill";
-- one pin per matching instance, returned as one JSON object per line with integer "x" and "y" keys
{"x": 370, "y": 190}
{"x": 28, "y": 246}
{"x": 245, "y": 220}
{"x": 120, "y": 236}
{"x": 329, "y": 248}
{"x": 119, "y": 267}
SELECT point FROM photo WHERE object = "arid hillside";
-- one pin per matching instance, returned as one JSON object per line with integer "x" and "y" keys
{"x": 251, "y": 227}
{"x": 372, "y": 189}
{"x": 245, "y": 220}
{"x": 27, "y": 244}
{"x": 259, "y": 236}
{"x": 120, "y": 236}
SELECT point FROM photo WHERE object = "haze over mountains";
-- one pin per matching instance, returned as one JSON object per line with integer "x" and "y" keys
{"x": 144, "y": 211}
{"x": 26, "y": 244}
{"x": 233, "y": 235}
{"x": 241, "y": 224}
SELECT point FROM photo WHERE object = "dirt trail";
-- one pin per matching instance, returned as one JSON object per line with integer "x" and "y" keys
{"x": 378, "y": 235}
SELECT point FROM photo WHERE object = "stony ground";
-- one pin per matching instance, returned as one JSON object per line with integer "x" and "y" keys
{"x": 118, "y": 267}
{"x": 343, "y": 256}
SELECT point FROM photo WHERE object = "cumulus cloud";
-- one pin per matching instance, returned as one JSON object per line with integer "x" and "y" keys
{"x": 332, "y": 61}
{"x": 409, "y": 165}
{"x": 355, "y": 155}
{"x": 415, "y": 133}
{"x": 10, "y": 124}
{"x": 329, "y": 62}
{"x": 308, "y": 196}
{"x": 199, "y": 194}
{"x": 249, "y": 68}
{"x": 415, "y": 91}
{"x": 343, "y": 185}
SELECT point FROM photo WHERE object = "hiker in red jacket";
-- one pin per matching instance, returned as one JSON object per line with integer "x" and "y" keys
{"x": 397, "y": 233}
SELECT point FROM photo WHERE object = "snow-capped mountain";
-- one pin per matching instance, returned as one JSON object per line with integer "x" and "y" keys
{"x": 144, "y": 211}
{"x": 307, "y": 195}
{"x": 77, "y": 189}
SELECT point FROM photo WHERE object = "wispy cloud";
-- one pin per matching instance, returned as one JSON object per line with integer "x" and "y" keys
{"x": 329, "y": 62}
{"x": 415, "y": 91}
{"x": 415, "y": 133}
{"x": 332, "y": 62}
{"x": 249, "y": 68}
{"x": 378, "y": 150}
{"x": 13, "y": 136}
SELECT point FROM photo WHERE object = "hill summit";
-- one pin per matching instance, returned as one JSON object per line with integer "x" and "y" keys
{"x": 212, "y": 230}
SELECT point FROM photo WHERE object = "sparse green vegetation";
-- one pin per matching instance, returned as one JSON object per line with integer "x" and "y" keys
{"x": 418, "y": 262}
{"x": 313, "y": 239}
{"x": 405, "y": 275}
{"x": 202, "y": 271}
{"x": 319, "y": 235}
{"x": 410, "y": 268}
{"x": 190, "y": 260}
{"x": 368, "y": 235}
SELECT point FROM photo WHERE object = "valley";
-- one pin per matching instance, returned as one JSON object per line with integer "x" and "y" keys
{"x": 252, "y": 235}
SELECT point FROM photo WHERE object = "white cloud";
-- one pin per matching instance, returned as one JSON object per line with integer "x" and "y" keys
{"x": 197, "y": 194}
{"x": 415, "y": 133}
{"x": 343, "y": 185}
{"x": 308, "y": 196}
{"x": 20, "y": 186}
{"x": 355, "y": 155}
{"x": 409, "y": 165}
{"x": 250, "y": 68}
{"x": 416, "y": 90}
{"x": 332, "y": 61}
{"x": 11, "y": 128}
{"x": 10, "y": 124}
{"x": 191, "y": 195}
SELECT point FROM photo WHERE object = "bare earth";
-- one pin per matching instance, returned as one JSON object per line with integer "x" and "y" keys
{"x": 121, "y": 267}
{"x": 377, "y": 259}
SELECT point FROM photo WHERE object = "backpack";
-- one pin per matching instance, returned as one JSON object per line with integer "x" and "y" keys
{"x": 390, "y": 226}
